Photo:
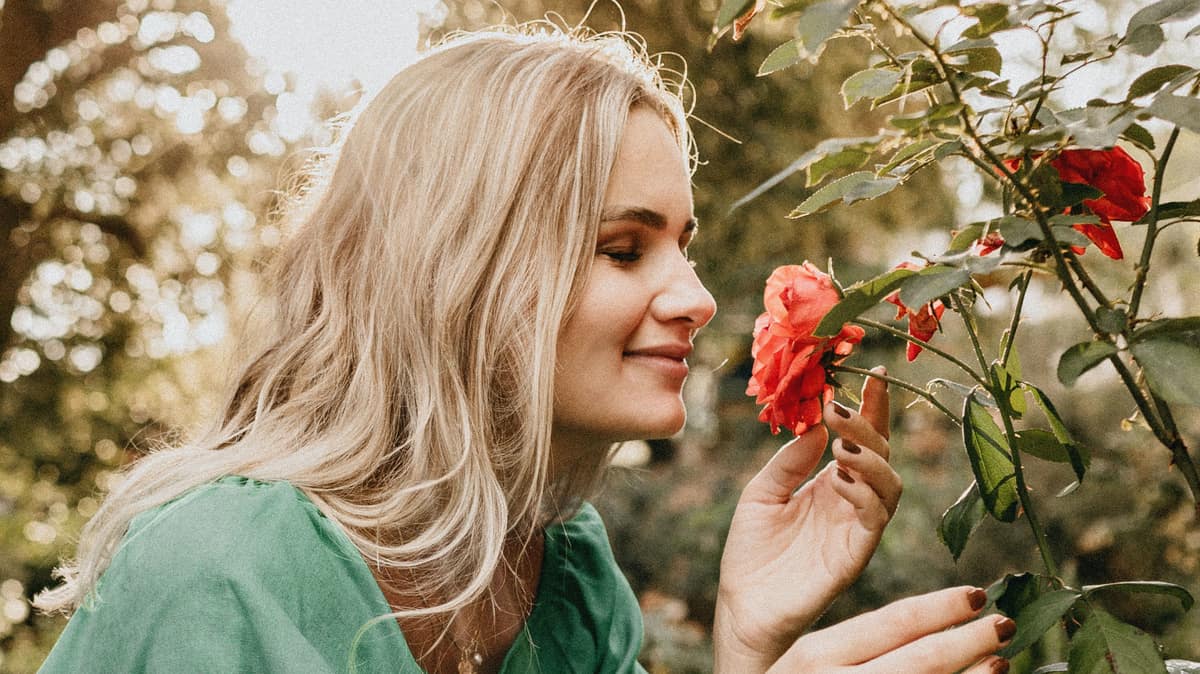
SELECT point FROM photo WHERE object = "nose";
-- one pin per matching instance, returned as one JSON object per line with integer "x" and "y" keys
{"x": 684, "y": 297}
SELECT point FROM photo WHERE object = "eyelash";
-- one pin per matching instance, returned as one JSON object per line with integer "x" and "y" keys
{"x": 621, "y": 256}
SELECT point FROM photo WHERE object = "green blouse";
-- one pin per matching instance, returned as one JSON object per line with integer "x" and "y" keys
{"x": 246, "y": 576}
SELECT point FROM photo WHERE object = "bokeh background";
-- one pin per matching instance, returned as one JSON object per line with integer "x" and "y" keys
{"x": 145, "y": 145}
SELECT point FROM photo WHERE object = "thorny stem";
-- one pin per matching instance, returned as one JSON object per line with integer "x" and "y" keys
{"x": 923, "y": 344}
{"x": 1016, "y": 317}
{"x": 1143, "y": 267}
{"x": 1001, "y": 395}
{"x": 929, "y": 397}
{"x": 1086, "y": 279}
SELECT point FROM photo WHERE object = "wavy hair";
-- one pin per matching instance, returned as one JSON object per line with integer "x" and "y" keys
{"x": 407, "y": 384}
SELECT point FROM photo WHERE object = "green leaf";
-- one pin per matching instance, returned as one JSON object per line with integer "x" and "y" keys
{"x": 823, "y": 149}
{"x": 1138, "y": 134}
{"x": 1167, "y": 326}
{"x": 1037, "y": 617}
{"x": 965, "y": 237}
{"x": 1081, "y": 358}
{"x": 1105, "y": 645}
{"x": 986, "y": 59}
{"x": 1079, "y": 457}
{"x": 850, "y": 158}
{"x": 1076, "y": 193}
{"x": 1113, "y": 321}
{"x": 960, "y": 520}
{"x": 1144, "y": 40}
{"x": 931, "y": 283}
{"x": 1015, "y": 591}
{"x": 1172, "y": 367}
{"x": 1152, "y": 80}
{"x": 1069, "y": 236}
{"x": 869, "y": 83}
{"x": 1174, "y": 209}
{"x": 992, "y": 17}
{"x": 1162, "y": 12}
{"x": 911, "y": 151}
{"x": 1018, "y": 231}
{"x": 1010, "y": 383}
{"x": 1180, "y": 110}
{"x": 991, "y": 461}
{"x": 1043, "y": 445}
{"x": 1145, "y": 587}
{"x": 729, "y": 12}
{"x": 815, "y": 26}
{"x": 849, "y": 188}
{"x": 858, "y": 299}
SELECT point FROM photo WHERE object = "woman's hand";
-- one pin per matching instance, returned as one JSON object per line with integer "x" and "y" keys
{"x": 909, "y": 635}
{"x": 790, "y": 553}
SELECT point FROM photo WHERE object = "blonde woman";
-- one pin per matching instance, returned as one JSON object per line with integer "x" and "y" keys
{"x": 487, "y": 290}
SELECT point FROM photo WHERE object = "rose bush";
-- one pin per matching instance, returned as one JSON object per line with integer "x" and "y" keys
{"x": 1063, "y": 177}
{"x": 790, "y": 376}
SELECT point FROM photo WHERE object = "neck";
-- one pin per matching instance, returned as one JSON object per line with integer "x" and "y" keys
{"x": 477, "y": 636}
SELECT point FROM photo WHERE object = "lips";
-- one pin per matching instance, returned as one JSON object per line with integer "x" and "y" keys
{"x": 668, "y": 359}
{"x": 672, "y": 351}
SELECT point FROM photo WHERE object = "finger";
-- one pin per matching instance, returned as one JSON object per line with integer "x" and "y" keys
{"x": 871, "y": 635}
{"x": 850, "y": 424}
{"x": 872, "y": 469}
{"x": 990, "y": 665}
{"x": 872, "y": 511}
{"x": 946, "y": 652}
{"x": 876, "y": 403}
{"x": 789, "y": 468}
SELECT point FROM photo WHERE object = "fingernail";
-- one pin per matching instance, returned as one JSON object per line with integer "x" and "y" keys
{"x": 846, "y": 478}
{"x": 1000, "y": 666}
{"x": 850, "y": 447}
{"x": 1005, "y": 629}
{"x": 841, "y": 410}
{"x": 976, "y": 598}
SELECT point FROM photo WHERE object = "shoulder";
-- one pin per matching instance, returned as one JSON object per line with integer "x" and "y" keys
{"x": 239, "y": 574}
{"x": 235, "y": 523}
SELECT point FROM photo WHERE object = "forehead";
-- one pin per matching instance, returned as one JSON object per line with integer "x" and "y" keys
{"x": 650, "y": 169}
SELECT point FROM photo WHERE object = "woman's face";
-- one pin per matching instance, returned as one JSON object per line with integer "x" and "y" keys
{"x": 621, "y": 355}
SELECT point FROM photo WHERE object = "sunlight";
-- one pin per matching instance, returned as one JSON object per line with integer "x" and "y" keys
{"x": 332, "y": 44}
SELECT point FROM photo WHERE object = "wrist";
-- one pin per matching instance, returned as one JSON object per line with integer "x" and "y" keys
{"x": 732, "y": 652}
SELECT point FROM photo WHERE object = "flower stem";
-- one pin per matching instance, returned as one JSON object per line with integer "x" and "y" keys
{"x": 867, "y": 322}
{"x": 1143, "y": 267}
{"x": 904, "y": 385}
{"x": 1000, "y": 393}
{"x": 1016, "y": 317}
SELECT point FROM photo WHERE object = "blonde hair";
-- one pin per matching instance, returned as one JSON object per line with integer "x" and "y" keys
{"x": 408, "y": 387}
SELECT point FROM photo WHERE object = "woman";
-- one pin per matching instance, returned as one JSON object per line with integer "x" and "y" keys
{"x": 486, "y": 291}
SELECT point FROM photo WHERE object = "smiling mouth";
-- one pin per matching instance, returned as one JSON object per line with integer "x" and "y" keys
{"x": 670, "y": 365}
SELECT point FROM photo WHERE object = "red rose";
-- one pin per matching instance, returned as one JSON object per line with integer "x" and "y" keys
{"x": 988, "y": 244}
{"x": 1114, "y": 173}
{"x": 790, "y": 377}
{"x": 924, "y": 322}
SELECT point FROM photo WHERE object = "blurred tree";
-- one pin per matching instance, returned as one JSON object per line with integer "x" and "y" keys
{"x": 139, "y": 147}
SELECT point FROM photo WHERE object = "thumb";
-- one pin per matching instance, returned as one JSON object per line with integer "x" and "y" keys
{"x": 789, "y": 468}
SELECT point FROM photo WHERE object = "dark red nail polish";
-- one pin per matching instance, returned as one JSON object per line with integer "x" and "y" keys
{"x": 851, "y": 447}
{"x": 841, "y": 410}
{"x": 1000, "y": 666}
{"x": 1005, "y": 629}
{"x": 976, "y": 598}
{"x": 846, "y": 478}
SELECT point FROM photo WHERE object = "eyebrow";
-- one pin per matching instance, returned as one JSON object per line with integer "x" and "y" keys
{"x": 644, "y": 216}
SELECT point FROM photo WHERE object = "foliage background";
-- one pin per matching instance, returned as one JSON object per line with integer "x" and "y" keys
{"x": 135, "y": 194}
